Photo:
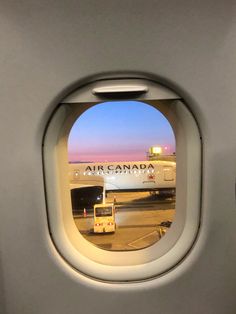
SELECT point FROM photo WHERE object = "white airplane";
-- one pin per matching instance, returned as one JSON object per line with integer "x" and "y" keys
{"x": 156, "y": 176}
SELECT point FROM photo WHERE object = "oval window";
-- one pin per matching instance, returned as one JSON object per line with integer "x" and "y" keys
{"x": 119, "y": 158}
{"x": 122, "y": 172}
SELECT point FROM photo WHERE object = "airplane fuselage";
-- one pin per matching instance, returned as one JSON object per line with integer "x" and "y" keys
{"x": 126, "y": 176}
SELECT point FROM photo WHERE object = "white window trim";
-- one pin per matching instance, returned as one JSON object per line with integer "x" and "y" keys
{"x": 161, "y": 256}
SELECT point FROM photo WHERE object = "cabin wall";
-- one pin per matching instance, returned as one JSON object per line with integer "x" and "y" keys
{"x": 50, "y": 48}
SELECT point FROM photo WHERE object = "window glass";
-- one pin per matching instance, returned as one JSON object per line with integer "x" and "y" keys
{"x": 122, "y": 175}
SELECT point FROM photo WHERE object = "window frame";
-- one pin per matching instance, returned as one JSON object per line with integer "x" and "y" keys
{"x": 161, "y": 256}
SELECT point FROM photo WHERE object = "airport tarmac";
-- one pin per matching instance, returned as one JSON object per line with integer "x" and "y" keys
{"x": 138, "y": 220}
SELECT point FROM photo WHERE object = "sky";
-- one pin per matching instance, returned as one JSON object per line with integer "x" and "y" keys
{"x": 119, "y": 131}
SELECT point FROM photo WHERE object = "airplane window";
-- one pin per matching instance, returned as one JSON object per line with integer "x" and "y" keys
{"x": 119, "y": 160}
{"x": 122, "y": 175}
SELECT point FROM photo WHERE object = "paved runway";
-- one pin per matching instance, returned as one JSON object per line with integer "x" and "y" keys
{"x": 138, "y": 220}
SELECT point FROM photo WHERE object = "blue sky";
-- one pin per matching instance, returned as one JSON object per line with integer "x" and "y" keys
{"x": 119, "y": 131}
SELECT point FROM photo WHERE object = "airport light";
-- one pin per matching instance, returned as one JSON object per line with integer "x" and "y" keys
{"x": 155, "y": 150}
